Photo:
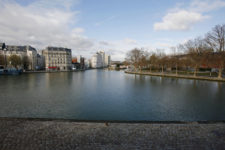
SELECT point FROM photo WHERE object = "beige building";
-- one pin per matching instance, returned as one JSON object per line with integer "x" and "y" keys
{"x": 57, "y": 58}
{"x": 27, "y": 53}
{"x": 107, "y": 60}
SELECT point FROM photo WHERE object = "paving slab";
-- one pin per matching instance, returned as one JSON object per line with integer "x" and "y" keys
{"x": 25, "y": 134}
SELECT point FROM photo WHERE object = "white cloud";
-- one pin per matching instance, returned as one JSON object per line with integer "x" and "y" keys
{"x": 180, "y": 20}
{"x": 41, "y": 26}
{"x": 117, "y": 49}
{"x": 130, "y": 41}
{"x": 206, "y": 5}
{"x": 52, "y": 4}
{"x": 76, "y": 31}
{"x": 104, "y": 43}
{"x": 47, "y": 23}
{"x": 185, "y": 18}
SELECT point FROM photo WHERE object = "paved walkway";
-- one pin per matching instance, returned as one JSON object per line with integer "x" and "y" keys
{"x": 22, "y": 134}
{"x": 178, "y": 76}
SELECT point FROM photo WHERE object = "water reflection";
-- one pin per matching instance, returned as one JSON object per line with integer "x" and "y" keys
{"x": 110, "y": 95}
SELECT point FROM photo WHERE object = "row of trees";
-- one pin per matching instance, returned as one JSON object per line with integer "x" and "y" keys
{"x": 207, "y": 52}
{"x": 15, "y": 61}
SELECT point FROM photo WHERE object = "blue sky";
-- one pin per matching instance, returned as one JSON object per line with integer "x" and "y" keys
{"x": 115, "y": 26}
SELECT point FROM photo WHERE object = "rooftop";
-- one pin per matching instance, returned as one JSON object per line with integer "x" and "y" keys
{"x": 58, "y": 49}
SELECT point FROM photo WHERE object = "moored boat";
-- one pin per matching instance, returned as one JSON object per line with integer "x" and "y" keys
{"x": 10, "y": 71}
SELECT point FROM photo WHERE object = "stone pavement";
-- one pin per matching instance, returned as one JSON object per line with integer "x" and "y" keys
{"x": 23, "y": 134}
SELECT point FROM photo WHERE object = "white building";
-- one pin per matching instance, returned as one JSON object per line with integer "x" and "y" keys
{"x": 96, "y": 61}
{"x": 32, "y": 57}
{"x": 100, "y": 60}
{"x": 102, "y": 53}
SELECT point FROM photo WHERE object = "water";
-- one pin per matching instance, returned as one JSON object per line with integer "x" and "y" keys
{"x": 110, "y": 95}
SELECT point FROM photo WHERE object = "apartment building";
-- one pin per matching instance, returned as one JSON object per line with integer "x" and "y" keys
{"x": 57, "y": 58}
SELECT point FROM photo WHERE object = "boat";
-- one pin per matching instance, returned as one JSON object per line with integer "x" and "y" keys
{"x": 11, "y": 71}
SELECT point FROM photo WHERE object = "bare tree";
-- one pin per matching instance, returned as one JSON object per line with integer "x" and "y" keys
{"x": 216, "y": 38}
{"x": 162, "y": 61}
{"x": 174, "y": 60}
{"x": 153, "y": 61}
{"x": 195, "y": 49}
{"x": 219, "y": 62}
{"x": 134, "y": 57}
{"x": 143, "y": 60}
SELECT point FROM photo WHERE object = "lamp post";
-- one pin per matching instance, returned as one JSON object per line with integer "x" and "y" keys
{"x": 4, "y": 50}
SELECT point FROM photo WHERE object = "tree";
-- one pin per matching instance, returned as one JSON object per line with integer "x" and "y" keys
{"x": 143, "y": 62}
{"x": 219, "y": 62}
{"x": 134, "y": 57}
{"x": 162, "y": 60}
{"x": 195, "y": 49}
{"x": 174, "y": 60}
{"x": 25, "y": 62}
{"x": 216, "y": 38}
{"x": 153, "y": 60}
{"x": 2, "y": 60}
{"x": 15, "y": 61}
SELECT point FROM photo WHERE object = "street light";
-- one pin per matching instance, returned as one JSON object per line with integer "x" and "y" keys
{"x": 4, "y": 50}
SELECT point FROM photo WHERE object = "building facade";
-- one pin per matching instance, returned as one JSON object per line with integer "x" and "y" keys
{"x": 27, "y": 54}
{"x": 107, "y": 60}
{"x": 40, "y": 62}
{"x": 57, "y": 58}
{"x": 100, "y": 60}
{"x": 96, "y": 61}
{"x": 32, "y": 57}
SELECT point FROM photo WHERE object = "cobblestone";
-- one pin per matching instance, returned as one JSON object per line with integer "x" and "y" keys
{"x": 22, "y": 134}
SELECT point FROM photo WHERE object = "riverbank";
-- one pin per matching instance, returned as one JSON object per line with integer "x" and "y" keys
{"x": 21, "y": 134}
{"x": 44, "y": 71}
{"x": 177, "y": 76}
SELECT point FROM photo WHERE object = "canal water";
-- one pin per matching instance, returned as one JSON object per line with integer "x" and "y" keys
{"x": 110, "y": 95}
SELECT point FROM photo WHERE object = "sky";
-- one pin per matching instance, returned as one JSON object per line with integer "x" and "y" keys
{"x": 115, "y": 26}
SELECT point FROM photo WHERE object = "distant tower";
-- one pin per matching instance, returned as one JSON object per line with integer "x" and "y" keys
{"x": 102, "y": 53}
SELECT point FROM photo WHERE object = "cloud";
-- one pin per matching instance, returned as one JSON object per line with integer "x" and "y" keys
{"x": 50, "y": 23}
{"x": 180, "y": 20}
{"x": 117, "y": 49}
{"x": 42, "y": 26}
{"x": 206, "y": 5}
{"x": 104, "y": 43}
{"x": 76, "y": 31}
{"x": 130, "y": 41}
{"x": 59, "y": 4}
{"x": 185, "y": 18}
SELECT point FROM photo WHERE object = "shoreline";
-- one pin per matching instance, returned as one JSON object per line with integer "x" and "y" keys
{"x": 114, "y": 121}
{"x": 43, "y": 71}
{"x": 177, "y": 76}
